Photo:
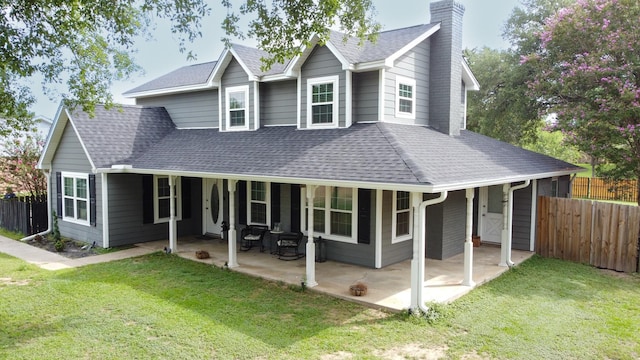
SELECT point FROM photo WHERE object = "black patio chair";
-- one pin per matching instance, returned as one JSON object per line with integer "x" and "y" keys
{"x": 288, "y": 246}
{"x": 252, "y": 235}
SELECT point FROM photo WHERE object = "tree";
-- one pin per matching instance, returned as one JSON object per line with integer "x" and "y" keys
{"x": 89, "y": 44}
{"x": 589, "y": 74}
{"x": 503, "y": 109}
{"x": 18, "y": 164}
{"x": 552, "y": 143}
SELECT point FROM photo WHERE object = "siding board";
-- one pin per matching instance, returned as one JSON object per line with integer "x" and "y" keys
{"x": 278, "y": 103}
{"x": 190, "y": 110}
{"x": 365, "y": 96}
{"x": 322, "y": 63}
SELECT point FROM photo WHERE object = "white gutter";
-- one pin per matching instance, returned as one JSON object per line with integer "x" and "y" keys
{"x": 49, "y": 214}
{"x": 510, "y": 224}
{"x": 419, "y": 248}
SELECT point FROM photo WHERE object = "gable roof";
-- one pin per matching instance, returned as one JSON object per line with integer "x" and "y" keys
{"x": 388, "y": 47}
{"x": 186, "y": 78}
{"x": 113, "y": 136}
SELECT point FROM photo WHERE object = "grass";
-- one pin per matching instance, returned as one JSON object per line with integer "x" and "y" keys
{"x": 588, "y": 173}
{"x": 15, "y": 235}
{"x": 160, "y": 306}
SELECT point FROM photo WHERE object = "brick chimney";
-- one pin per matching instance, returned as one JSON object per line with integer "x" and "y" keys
{"x": 445, "y": 88}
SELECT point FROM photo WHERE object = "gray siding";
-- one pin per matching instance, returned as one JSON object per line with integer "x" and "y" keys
{"x": 365, "y": 96}
{"x": 322, "y": 63}
{"x": 278, "y": 103}
{"x": 521, "y": 231}
{"x": 190, "y": 110}
{"x": 125, "y": 212}
{"x": 392, "y": 253}
{"x": 413, "y": 65}
{"x": 446, "y": 226}
{"x": 71, "y": 157}
{"x": 357, "y": 254}
{"x": 234, "y": 75}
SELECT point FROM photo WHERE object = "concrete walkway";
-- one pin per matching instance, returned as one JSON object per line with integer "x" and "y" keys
{"x": 52, "y": 261}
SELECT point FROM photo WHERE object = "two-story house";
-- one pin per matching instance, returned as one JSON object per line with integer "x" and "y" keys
{"x": 365, "y": 146}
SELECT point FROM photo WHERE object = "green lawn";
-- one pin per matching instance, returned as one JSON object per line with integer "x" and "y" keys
{"x": 161, "y": 306}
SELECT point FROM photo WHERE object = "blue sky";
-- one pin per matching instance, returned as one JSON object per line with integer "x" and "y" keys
{"x": 483, "y": 22}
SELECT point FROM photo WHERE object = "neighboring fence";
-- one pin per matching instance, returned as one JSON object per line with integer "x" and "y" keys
{"x": 25, "y": 214}
{"x": 603, "y": 189}
{"x": 602, "y": 234}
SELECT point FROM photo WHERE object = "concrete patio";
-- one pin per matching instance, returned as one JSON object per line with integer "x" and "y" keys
{"x": 389, "y": 287}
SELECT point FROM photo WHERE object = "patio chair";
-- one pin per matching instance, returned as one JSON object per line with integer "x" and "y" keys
{"x": 252, "y": 235}
{"x": 288, "y": 245}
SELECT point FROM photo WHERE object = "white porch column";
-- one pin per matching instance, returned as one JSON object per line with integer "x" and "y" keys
{"x": 505, "y": 225}
{"x": 173, "y": 226}
{"x": 231, "y": 234}
{"x": 311, "y": 246}
{"x": 468, "y": 244}
{"x": 232, "y": 241}
{"x": 417, "y": 276}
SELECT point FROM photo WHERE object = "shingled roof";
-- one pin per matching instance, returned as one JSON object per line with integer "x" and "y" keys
{"x": 190, "y": 75}
{"x": 146, "y": 139}
{"x": 387, "y": 44}
{"x": 120, "y": 135}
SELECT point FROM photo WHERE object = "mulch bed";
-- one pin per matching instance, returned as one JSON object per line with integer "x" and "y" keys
{"x": 72, "y": 249}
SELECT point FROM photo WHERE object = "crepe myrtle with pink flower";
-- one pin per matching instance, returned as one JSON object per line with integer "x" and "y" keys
{"x": 589, "y": 75}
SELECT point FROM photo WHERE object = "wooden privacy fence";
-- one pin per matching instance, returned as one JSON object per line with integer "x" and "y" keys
{"x": 25, "y": 214}
{"x": 603, "y": 189}
{"x": 601, "y": 234}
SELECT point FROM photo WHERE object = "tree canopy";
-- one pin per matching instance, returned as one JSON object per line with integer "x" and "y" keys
{"x": 503, "y": 108}
{"x": 86, "y": 45}
{"x": 589, "y": 74}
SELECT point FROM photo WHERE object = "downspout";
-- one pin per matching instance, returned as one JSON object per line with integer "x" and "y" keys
{"x": 49, "y": 213}
{"x": 419, "y": 249}
{"x": 510, "y": 226}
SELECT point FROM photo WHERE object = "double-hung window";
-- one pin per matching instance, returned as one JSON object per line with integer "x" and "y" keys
{"x": 333, "y": 213}
{"x": 405, "y": 98}
{"x": 162, "y": 198}
{"x": 258, "y": 203}
{"x": 322, "y": 102}
{"x": 237, "y": 105}
{"x": 402, "y": 220}
{"x": 75, "y": 198}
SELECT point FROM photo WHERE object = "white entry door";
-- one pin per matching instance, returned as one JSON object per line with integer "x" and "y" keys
{"x": 213, "y": 205}
{"x": 491, "y": 220}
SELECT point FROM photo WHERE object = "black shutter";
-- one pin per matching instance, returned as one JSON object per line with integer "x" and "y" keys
{"x": 92, "y": 199}
{"x": 186, "y": 198}
{"x": 295, "y": 207}
{"x": 275, "y": 202}
{"x": 147, "y": 199}
{"x": 364, "y": 216}
{"x": 59, "y": 195}
{"x": 242, "y": 202}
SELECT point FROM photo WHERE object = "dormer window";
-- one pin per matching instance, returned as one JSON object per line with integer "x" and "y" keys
{"x": 405, "y": 98}
{"x": 237, "y": 101}
{"x": 322, "y": 102}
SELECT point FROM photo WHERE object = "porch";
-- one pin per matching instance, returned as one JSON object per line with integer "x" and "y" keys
{"x": 389, "y": 287}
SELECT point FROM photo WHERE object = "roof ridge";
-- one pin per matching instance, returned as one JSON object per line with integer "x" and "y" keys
{"x": 404, "y": 155}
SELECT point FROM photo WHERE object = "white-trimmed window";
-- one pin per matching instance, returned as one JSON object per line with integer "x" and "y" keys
{"x": 259, "y": 198}
{"x": 334, "y": 214}
{"x": 237, "y": 105}
{"x": 75, "y": 198}
{"x": 402, "y": 223}
{"x": 405, "y": 97}
{"x": 162, "y": 198}
{"x": 322, "y": 102}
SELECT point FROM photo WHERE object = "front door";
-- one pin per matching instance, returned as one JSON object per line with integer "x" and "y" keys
{"x": 213, "y": 206}
{"x": 491, "y": 220}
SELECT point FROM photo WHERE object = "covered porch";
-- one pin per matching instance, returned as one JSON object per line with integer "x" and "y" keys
{"x": 389, "y": 287}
